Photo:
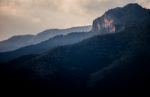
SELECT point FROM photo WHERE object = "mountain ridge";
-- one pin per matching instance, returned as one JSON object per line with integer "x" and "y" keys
{"x": 18, "y": 41}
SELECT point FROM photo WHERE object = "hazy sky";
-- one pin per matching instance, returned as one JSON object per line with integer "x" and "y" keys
{"x": 33, "y": 16}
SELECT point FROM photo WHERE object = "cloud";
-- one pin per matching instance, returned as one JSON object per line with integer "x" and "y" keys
{"x": 145, "y": 3}
{"x": 33, "y": 16}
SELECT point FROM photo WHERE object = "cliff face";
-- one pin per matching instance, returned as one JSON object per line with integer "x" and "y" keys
{"x": 104, "y": 24}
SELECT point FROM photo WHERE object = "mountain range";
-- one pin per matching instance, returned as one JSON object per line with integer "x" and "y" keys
{"x": 111, "y": 58}
{"x": 20, "y": 41}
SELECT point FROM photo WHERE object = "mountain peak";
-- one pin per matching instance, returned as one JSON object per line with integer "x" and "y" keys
{"x": 115, "y": 20}
{"x": 133, "y": 5}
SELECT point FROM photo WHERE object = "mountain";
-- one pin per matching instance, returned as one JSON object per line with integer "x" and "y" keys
{"x": 45, "y": 35}
{"x": 15, "y": 42}
{"x": 117, "y": 19}
{"x": 102, "y": 64}
{"x": 19, "y": 41}
{"x": 59, "y": 40}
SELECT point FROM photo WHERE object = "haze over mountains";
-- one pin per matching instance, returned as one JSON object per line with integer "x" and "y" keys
{"x": 112, "y": 57}
{"x": 19, "y": 41}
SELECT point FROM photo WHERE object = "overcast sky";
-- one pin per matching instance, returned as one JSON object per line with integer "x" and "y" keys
{"x": 33, "y": 16}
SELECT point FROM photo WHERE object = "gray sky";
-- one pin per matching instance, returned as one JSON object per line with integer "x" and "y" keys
{"x": 33, "y": 16}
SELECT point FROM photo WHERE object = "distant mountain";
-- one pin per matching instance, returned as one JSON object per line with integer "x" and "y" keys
{"x": 19, "y": 41}
{"x": 15, "y": 42}
{"x": 45, "y": 35}
{"x": 49, "y": 44}
{"x": 114, "y": 62}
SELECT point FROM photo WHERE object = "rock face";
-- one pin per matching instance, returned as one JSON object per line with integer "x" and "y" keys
{"x": 117, "y": 19}
{"x": 104, "y": 24}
